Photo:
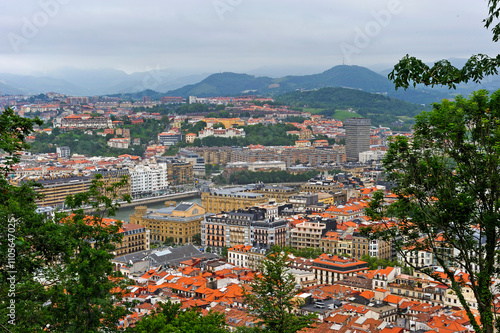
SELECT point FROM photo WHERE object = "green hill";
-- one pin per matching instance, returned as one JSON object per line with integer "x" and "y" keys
{"x": 225, "y": 84}
{"x": 381, "y": 109}
{"x": 355, "y": 77}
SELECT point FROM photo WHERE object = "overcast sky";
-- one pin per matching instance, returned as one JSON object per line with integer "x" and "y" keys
{"x": 236, "y": 35}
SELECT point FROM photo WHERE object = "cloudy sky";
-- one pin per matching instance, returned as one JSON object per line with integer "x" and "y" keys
{"x": 235, "y": 35}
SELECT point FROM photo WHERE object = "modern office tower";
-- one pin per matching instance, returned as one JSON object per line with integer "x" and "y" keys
{"x": 357, "y": 137}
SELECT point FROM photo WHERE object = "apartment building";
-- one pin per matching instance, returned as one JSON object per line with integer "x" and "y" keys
{"x": 224, "y": 200}
{"x": 330, "y": 268}
{"x": 243, "y": 227}
{"x": 83, "y": 122}
{"x": 227, "y": 122}
{"x": 147, "y": 180}
{"x": 55, "y": 190}
{"x": 246, "y": 256}
{"x": 276, "y": 193}
{"x": 110, "y": 177}
{"x": 310, "y": 233}
{"x": 214, "y": 155}
{"x": 169, "y": 138}
{"x": 221, "y": 132}
{"x": 196, "y": 161}
{"x": 120, "y": 143}
{"x": 135, "y": 239}
{"x": 290, "y": 156}
{"x": 179, "y": 172}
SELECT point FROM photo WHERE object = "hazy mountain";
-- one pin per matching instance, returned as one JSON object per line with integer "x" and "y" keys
{"x": 27, "y": 84}
{"x": 73, "y": 81}
{"x": 178, "y": 82}
{"x": 5, "y": 89}
{"x": 354, "y": 77}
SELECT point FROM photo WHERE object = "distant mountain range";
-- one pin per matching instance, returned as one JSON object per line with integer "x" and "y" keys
{"x": 92, "y": 82}
{"x": 176, "y": 83}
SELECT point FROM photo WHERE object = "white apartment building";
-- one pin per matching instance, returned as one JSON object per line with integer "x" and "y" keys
{"x": 221, "y": 132}
{"x": 371, "y": 155}
{"x": 151, "y": 179}
{"x": 121, "y": 143}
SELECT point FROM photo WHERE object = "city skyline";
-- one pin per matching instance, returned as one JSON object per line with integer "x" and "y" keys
{"x": 236, "y": 35}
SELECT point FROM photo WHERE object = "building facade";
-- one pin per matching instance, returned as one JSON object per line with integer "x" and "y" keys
{"x": 217, "y": 201}
{"x": 179, "y": 172}
{"x": 178, "y": 223}
{"x": 331, "y": 268}
{"x": 146, "y": 180}
{"x": 110, "y": 177}
{"x": 135, "y": 239}
{"x": 244, "y": 227}
{"x": 357, "y": 137}
{"x": 55, "y": 190}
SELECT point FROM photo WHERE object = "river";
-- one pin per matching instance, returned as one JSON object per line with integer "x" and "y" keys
{"x": 124, "y": 213}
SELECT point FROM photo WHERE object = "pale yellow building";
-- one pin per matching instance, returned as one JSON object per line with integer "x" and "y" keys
{"x": 190, "y": 137}
{"x": 231, "y": 199}
{"x": 180, "y": 223}
{"x": 227, "y": 122}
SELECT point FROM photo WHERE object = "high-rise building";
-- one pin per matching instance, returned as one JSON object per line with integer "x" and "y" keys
{"x": 64, "y": 152}
{"x": 357, "y": 137}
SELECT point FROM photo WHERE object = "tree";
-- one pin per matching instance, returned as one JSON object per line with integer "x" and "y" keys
{"x": 171, "y": 319}
{"x": 53, "y": 276}
{"x": 165, "y": 120}
{"x": 448, "y": 188}
{"x": 196, "y": 239}
{"x": 412, "y": 71}
{"x": 272, "y": 297}
{"x": 223, "y": 252}
{"x": 218, "y": 125}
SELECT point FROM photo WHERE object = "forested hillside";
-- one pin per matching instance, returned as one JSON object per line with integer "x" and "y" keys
{"x": 382, "y": 110}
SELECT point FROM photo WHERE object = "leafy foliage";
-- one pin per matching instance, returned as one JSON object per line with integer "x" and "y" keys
{"x": 448, "y": 189}
{"x": 271, "y": 135}
{"x": 53, "y": 276}
{"x": 374, "y": 262}
{"x": 382, "y": 110}
{"x": 307, "y": 252}
{"x": 171, "y": 319}
{"x": 96, "y": 145}
{"x": 412, "y": 71}
{"x": 272, "y": 297}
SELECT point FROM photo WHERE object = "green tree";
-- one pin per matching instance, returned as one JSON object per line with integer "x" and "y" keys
{"x": 412, "y": 71}
{"x": 448, "y": 188}
{"x": 272, "y": 297}
{"x": 53, "y": 275}
{"x": 224, "y": 252}
{"x": 165, "y": 120}
{"x": 219, "y": 125}
{"x": 171, "y": 319}
{"x": 196, "y": 239}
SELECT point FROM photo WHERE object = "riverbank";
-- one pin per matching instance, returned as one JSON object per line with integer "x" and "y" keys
{"x": 161, "y": 198}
